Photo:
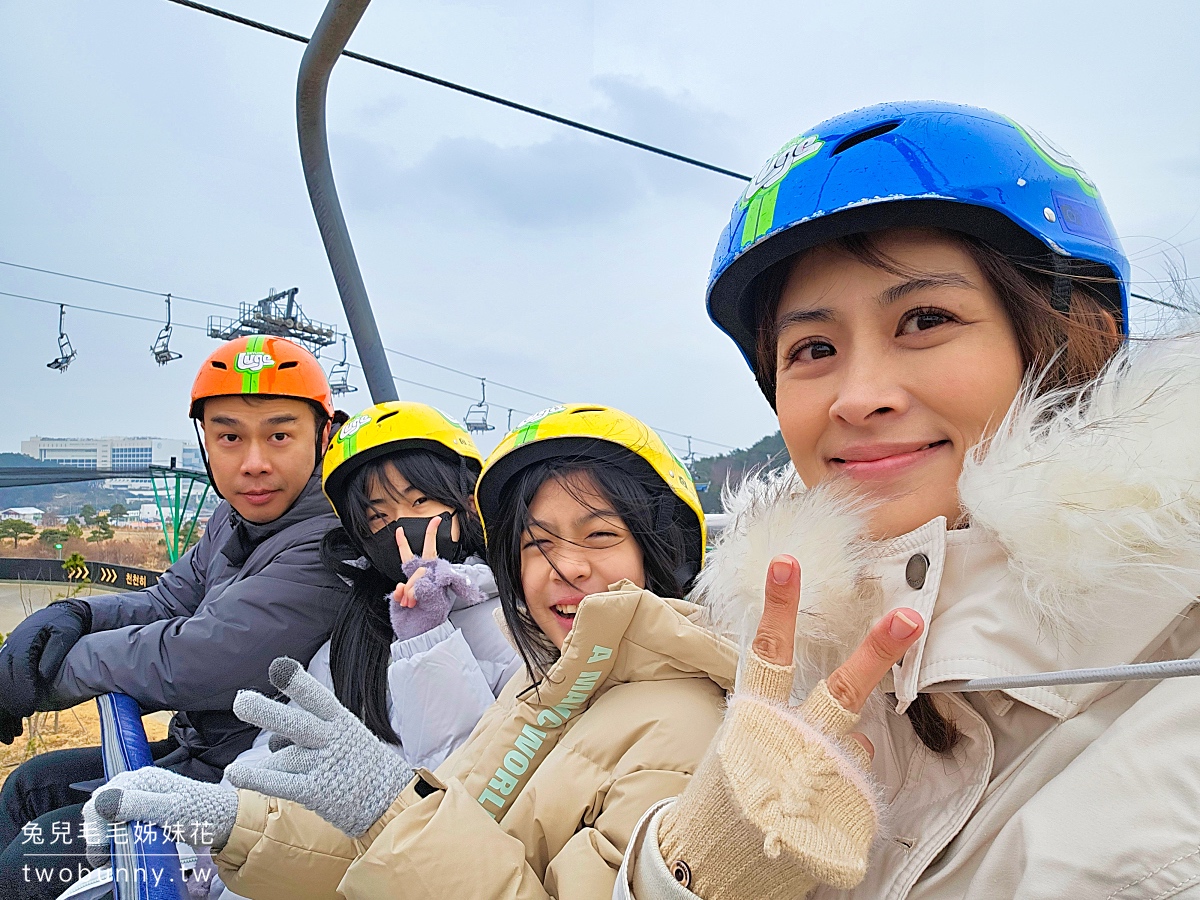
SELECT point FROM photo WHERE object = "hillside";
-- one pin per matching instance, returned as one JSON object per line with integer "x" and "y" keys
{"x": 732, "y": 467}
{"x": 55, "y": 498}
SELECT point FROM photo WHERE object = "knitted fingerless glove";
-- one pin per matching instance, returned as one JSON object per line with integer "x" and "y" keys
{"x": 436, "y": 590}
{"x": 781, "y": 803}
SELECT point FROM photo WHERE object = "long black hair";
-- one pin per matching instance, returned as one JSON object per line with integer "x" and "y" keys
{"x": 360, "y": 646}
{"x": 640, "y": 498}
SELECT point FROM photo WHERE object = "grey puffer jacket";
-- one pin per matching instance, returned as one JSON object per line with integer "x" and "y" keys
{"x": 244, "y": 595}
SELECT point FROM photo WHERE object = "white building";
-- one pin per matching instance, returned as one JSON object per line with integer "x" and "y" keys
{"x": 116, "y": 453}
{"x": 113, "y": 452}
{"x": 30, "y": 514}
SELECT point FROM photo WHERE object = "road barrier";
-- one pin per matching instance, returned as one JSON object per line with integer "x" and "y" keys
{"x": 101, "y": 574}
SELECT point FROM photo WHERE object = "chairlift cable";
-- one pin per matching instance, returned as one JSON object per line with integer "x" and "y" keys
{"x": 431, "y": 387}
{"x": 137, "y": 318}
{"x": 472, "y": 92}
{"x": 1173, "y": 306}
{"x": 124, "y": 287}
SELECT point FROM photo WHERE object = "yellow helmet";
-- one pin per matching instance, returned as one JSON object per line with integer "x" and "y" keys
{"x": 385, "y": 428}
{"x": 583, "y": 429}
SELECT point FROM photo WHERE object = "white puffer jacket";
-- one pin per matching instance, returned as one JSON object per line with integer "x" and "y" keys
{"x": 441, "y": 682}
{"x": 1083, "y": 551}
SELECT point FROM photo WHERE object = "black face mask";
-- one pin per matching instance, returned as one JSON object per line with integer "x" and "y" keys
{"x": 384, "y": 554}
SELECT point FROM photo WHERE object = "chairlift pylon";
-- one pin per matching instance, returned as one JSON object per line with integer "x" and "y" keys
{"x": 339, "y": 375}
{"x": 476, "y": 418}
{"x": 278, "y": 314}
{"x": 66, "y": 353}
{"x": 161, "y": 348}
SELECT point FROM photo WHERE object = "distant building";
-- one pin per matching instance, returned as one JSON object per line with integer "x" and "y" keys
{"x": 30, "y": 514}
{"x": 113, "y": 452}
{"x": 116, "y": 453}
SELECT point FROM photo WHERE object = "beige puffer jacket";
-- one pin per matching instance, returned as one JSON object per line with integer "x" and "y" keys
{"x": 542, "y": 798}
{"x": 1083, "y": 551}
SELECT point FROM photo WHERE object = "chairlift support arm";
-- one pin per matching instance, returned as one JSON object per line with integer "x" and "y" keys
{"x": 329, "y": 39}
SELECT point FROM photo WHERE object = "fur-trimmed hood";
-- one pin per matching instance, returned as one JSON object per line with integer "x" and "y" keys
{"x": 1095, "y": 504}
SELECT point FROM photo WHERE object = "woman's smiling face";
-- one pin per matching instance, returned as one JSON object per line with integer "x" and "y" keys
{"x": 575, "y": 545}
{"x": 889, "y": 379}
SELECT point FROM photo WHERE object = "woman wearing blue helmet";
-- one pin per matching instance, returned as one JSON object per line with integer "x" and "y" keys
{"x": 934, "y": 301}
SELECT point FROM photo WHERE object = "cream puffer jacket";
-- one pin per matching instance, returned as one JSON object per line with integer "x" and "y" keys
{"x": 1083, "y": 551}
{"x": 542, "y": 798}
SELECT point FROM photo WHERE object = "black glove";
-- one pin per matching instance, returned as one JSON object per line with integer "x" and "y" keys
{"x": 11, "y": 727}
{"x": 32, "y": 655}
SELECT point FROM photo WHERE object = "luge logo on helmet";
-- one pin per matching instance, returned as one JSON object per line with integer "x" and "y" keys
{"x": 351, "y": 427}
{"x": 538, "y": 416}
{"x": 1057, "y": 157}
{"x": 253, "y": 362}
{"x": 763, "y": 191}
{"x": 794, "y": 151}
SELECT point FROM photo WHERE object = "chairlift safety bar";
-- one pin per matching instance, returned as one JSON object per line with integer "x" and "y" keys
{"x": 1153, "y": 671}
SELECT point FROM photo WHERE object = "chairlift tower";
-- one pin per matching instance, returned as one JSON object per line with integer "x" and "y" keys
{"x": 277, "y": 314}
{"x": 66, "y": 353}
{"x": 161, "y": 348}
{"x": 329, "y": 39}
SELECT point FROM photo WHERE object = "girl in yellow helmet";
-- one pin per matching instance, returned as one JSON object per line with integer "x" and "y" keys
{"x": 593, "y": 528}
{"x": 415, "y": 652}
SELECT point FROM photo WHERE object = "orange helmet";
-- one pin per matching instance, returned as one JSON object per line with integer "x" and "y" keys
{"x": 261, "y": 364}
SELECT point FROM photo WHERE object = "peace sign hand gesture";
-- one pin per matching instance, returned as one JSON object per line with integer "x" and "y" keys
{"x": 405, "y": 594}
{"x": 783, "y": 800}
{"x": 425, "y": 600}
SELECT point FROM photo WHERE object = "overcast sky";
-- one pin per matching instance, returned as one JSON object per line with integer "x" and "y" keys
{"x": 148, "y": 144}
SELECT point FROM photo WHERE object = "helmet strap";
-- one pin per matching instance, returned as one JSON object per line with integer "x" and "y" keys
{"x": 666, "y": 515}
{"x": 322, "y": 443}
{"x": 1060, "y": 291}
{"x": 212, "y": 482}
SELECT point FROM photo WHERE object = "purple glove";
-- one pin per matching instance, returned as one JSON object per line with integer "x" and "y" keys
{"x": 435, "y": 592}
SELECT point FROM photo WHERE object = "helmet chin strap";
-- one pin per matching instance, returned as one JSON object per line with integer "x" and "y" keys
{"x": 212, "y": 482}
{"x": 318, "y": 452}
{"x": 1060, "y": 293}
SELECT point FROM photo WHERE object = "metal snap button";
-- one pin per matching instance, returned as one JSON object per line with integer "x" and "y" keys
{"x": 916, "y": 570}
{"x": 681, "y": 873}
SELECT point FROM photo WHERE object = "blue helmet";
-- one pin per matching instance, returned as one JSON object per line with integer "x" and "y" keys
{"x": 916, "y": 164}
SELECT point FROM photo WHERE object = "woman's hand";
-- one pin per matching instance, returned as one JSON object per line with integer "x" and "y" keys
{"x": 851, "y": 683}
{"x": 783, "y": 800}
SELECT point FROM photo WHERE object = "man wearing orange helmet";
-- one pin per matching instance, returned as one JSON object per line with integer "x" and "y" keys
{"x": 253, "y": 588}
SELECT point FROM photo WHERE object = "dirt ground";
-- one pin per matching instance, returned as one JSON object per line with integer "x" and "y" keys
{"x": 77, "y": 727}
{"x": 19, "y": 598}
{"x": 142, "y": 547}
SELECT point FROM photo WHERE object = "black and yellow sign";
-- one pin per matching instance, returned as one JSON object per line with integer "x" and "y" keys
{"x": 101, "y": 574}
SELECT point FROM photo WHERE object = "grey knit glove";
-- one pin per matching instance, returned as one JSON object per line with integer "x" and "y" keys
{"x": 334, "y": 765}
{"x": 194, "y": 812}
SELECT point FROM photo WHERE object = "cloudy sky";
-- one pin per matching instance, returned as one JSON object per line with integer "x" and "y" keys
{"x": 151, "y": 145}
